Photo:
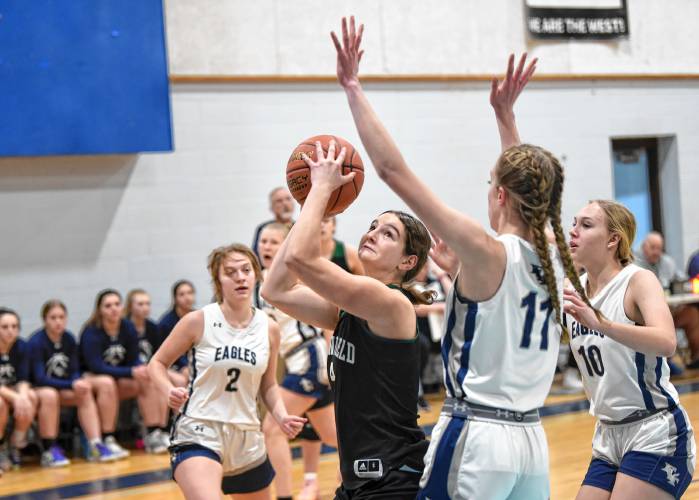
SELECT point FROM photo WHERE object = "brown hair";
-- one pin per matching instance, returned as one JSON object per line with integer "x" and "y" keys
{"x": 534, "y": 179}
{"x": 129, "y": 300}
{"x": 418, "y": 243}
{"x": 95, "y": 319}
{"x": 5, "y": 311}
{"x": 216, "y": 258}
{"x": 620, "y": 221}
{"x": 50, "y": 304}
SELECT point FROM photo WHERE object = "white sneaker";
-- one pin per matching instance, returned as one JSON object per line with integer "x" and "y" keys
{"x": 571, "y": 381}
{"x": 154, "y": 442}
{"x": 116, "y": 448}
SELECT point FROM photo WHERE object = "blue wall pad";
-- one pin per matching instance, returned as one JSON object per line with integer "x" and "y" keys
{"x": 83, "y": 77}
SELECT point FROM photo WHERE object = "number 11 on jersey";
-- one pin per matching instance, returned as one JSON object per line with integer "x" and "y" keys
{"x": 530, "y": 303}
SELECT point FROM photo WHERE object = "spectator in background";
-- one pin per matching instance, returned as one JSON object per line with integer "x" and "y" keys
{"x": 109, "y": 346}
{"x": 430, "y": 319}
{"x": 55, "y": 368}
{"x": 687, "y": 317}
{"x": 336, "y": 251}
{"x": 137, "y": 310}
{"x": 15, "y": 391}
{"x": 653, "y": 258}
{"x": 182, "y": 303}
{"x": 281, "y": 204}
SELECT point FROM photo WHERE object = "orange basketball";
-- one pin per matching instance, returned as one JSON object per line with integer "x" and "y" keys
{"x": 298, "y": 175}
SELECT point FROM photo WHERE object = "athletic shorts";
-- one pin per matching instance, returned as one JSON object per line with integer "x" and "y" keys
{"x": 305, "y": 373}
{"x": 241, "y": 453}
{"x": 659, "y": 449}
{"x": 472, "y": 458}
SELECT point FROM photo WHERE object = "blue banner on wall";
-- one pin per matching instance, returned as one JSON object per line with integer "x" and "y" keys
{"x": 83, "y": 77}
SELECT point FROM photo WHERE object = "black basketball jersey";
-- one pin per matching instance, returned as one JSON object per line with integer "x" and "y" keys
{"x": 375, "y": 386}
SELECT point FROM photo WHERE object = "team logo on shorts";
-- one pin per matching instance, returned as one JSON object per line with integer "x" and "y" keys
{"x": 672, "y": 476}
{"x": 306, "y": 385}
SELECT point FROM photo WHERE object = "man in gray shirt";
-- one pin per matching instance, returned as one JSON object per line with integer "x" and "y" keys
{"x": 655, "y": 260}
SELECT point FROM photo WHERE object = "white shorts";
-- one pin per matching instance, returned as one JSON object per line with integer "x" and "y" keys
{"x": 238, "y": 450}
{"x": 476, "y": 459}
{"x": 659, "y": 449}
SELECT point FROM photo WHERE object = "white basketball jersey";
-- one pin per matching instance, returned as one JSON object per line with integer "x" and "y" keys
{"x": 293, "y": 334}
{"x": 225, "y": 369}
{"x": 617, "y": 379}
{"x": 502, "y": 352}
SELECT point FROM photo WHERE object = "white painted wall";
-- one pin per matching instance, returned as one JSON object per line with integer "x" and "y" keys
{"x": 73, "y": 225}
{"x": 408, "y": 36}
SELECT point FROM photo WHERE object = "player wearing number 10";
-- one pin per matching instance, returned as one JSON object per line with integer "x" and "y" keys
{"x": 643, "y": 445}
{"x": 501, "y": 340}
{"x": 217, "y": 444}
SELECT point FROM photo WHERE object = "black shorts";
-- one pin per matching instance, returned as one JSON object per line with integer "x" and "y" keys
{"x": 395, "y": 485}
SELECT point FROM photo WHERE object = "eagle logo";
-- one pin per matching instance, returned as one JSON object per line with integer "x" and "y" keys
{"x": 672, "y": 476}
{"x": 538, "y": 272}
{"x": 57, "y": 365}
{"x": 114, "y": 355}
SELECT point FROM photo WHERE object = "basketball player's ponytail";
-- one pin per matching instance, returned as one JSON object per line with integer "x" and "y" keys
{"x": 534, "y": 178}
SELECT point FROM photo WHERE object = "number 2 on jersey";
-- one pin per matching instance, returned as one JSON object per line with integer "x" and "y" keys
{"x": 233, "y": 373}
{"x": 530, "y": 303}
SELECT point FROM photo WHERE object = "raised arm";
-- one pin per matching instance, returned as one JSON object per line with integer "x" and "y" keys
{"x": 282, "y": 289}
{"x": 388, "y": 313}
{"x": 462, "y": 233}
{"x": 503, "y": 96}
{"x": 654, "y": 331}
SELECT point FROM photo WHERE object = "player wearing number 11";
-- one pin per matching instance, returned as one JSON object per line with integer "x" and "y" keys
{"x": 217, "y": 444}
{"x": 501, "y": 340}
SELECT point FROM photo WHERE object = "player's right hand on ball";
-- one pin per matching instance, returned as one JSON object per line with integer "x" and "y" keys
{"x": 292, "y": 425}
{"x": 177, "y": 397}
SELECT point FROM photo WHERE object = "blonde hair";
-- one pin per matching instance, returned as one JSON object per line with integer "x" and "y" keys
{"x": 129, "y": 300}
{"x": 216, "y": 258}
{"x": 277, "y": 226}
{"x": 533, "y": 177}
{"x": 620, "y": 221}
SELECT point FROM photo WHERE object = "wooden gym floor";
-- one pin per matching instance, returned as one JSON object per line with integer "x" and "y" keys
{"x": 568, "y": 427}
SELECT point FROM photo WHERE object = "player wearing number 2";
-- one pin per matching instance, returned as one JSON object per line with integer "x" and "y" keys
{"x": 217, "y": 444}
{"x": 502, "y": 336}
{"x": 644, "y": 444}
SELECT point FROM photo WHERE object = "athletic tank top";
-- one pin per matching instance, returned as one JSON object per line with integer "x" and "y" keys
{"x": 339, "y": 257}
{"x": 375, "y": 387}
{"x": 618, "y": 380}
{"x": 502, "y": 352}
{"x": 226, "y": 367}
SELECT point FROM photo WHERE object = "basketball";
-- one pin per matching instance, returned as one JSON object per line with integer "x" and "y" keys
{"x": 298, "y": 175}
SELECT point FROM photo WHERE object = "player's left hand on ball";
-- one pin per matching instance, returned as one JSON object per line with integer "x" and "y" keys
{"x": 292, "y": 425}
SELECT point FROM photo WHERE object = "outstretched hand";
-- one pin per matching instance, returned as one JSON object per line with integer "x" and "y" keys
{"x": 326, "y": 172}
{"x": 348, "y": 53}
{"x": 504, "y": 94}
{"x": 444, "y": 257}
